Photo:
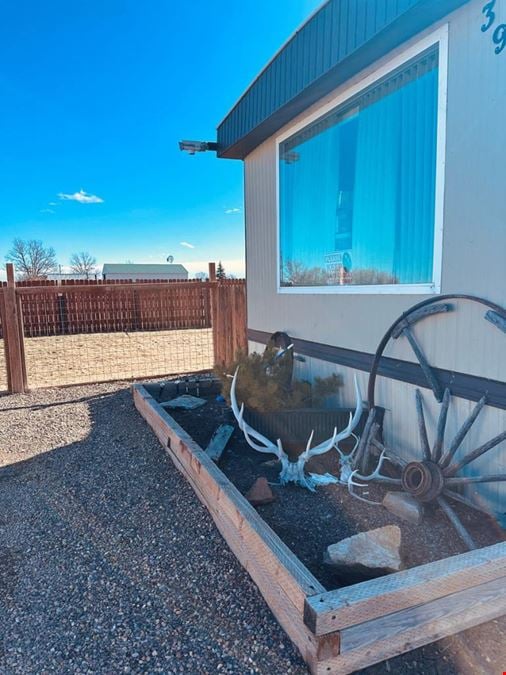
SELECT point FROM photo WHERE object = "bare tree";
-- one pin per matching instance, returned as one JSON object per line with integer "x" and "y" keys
{"x": 31, "y": 258}
{"x": 200, "y": 275}
{"x": 83, "y": 263}
{"x": 295, "y": 273}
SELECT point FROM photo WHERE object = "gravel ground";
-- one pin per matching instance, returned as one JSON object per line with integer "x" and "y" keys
{"x": 109, "y": 563}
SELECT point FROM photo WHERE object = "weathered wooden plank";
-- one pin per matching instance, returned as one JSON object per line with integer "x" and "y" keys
{"x": 219, "y": 441}
{"x": 384, "y": 638}
{"x": 336, "y": 610}
{"x": 450, "y": 609}
{"x": 290, "y": 573}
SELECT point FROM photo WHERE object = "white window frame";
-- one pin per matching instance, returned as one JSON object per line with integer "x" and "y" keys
{"x": 438, "y": 37}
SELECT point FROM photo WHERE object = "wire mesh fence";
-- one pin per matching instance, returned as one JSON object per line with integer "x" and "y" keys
{"x": 3, "y": 361}
{"x": 76, "y": 332}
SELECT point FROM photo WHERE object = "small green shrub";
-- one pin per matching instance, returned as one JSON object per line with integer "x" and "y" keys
{"x": 265, "y": 384}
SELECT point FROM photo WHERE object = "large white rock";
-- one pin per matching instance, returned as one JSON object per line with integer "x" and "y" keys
{"x": 368, "y": 554}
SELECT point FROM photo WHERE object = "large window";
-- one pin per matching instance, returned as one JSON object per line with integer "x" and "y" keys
{"x": 357, "y": 187}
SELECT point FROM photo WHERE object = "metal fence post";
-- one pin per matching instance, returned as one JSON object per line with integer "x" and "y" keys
{"x": 213, "y": 291}
{"x": 13, "y": 336}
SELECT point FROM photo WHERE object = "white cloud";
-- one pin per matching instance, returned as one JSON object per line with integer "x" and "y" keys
{"x": 82, "y": 197}
{"x": 46, "y": 211}
{"x": 186, "y": 244}
{"x": 232, "y": 211}
{"x": 52, "y": 204}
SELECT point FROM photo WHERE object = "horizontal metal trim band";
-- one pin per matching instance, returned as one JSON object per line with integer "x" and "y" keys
{"x": 462, "y": 385}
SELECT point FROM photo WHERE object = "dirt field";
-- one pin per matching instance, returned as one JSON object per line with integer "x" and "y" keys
{"x": 77, "y": 359}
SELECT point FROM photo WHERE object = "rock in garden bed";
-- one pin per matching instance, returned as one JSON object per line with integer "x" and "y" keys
{"x": 366, "y": 555}
{"x": 260, "y": 493}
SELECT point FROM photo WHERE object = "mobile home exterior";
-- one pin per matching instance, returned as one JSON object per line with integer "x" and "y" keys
{"x": 373, "y": 148}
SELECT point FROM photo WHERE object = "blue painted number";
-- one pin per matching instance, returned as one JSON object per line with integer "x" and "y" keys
{"x": 488, "y": 11}
{"x": 499, "y": 38}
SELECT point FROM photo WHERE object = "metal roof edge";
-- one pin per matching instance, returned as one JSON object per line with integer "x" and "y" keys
{"x": 413, "y": 21}
{"x": 291, "y": 37}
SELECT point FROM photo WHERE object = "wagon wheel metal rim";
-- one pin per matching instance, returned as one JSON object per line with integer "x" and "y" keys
{"x": 433, "y": 479}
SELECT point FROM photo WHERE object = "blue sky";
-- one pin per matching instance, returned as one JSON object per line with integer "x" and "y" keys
{"x": 95, "y": 96}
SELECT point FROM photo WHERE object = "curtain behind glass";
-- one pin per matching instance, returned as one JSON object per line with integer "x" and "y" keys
{"x": 379, "y": 151}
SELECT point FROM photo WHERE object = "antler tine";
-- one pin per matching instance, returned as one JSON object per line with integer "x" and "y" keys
{"x": 357, "y": 441}
{"x": 350, "y": 483}
{"x": 248, "y": 431}
{"x": 355, "y": 419}
{"x": 310, "y": 440}
{"x": 320, "y": 449}
{"x": 376, "y": 474}
{"x": 269, "y": 449}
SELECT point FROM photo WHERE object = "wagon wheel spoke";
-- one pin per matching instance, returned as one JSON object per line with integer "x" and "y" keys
{"x": 360, "y": 456}
{"x": 470, "y": 457}
{"x": 461, "y": 434}
{"x": 467, "y": 502}
{"x": 404, "y": 328}
{"x": 469, "y": 480}
{"x": 457, "y": 524}
{"x": 441, "y": 426}
{"x": 424, "y": 365}
{"x": 422, "y": 428}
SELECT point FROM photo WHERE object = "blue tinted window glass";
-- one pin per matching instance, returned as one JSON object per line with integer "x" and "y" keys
{"x": 357, "y": 187}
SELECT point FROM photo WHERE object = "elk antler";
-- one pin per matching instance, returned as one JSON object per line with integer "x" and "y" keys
{"x": 248, "y": 431}
{"x": 293, "y": 472}
{"x": 354, "y": 419}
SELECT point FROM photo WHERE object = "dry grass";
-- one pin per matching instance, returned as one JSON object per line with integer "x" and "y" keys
{"x": 77, "y": 359}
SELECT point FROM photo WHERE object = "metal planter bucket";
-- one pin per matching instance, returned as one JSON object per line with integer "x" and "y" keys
{"x": 293, "y": 427}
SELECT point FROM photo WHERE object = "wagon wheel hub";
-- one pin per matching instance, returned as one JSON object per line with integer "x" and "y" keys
{"x": 423, "y": 480}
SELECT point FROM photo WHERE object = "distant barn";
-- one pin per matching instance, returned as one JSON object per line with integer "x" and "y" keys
{"x": 140, "y": 272}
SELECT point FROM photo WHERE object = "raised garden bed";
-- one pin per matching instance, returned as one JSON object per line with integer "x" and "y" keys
{"x": 340, "y": 630}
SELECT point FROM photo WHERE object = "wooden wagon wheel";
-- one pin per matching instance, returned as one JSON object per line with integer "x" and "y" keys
{"x": 434, "y": 477}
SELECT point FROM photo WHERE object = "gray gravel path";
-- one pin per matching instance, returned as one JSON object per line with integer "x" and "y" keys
{"x": 108, "y": 562}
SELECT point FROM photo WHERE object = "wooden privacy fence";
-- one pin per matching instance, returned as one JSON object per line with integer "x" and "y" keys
{"x": 92, "y": 331}
{"x": 49, "y": 308}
